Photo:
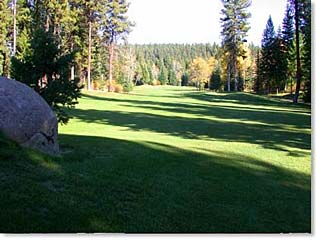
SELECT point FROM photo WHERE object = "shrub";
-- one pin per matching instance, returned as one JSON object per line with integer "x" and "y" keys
{"x": 110, "y": 88}
{"x": 95, "y": 85}
{"x": 118, "y": 88}
{"x": 156, "y": 83}
{"x": 128, "y": 86}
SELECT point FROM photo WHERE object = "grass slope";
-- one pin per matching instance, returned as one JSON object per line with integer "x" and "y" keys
{"x": 165, "y": 159}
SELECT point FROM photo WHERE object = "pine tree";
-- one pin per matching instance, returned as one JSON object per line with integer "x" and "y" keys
{"x": 235, "y": 27}
{"x": 216, "y": 82}
{"x": 280, "y": 68}
{"x": 267, "y": 60}
{"x": 258, "y": 84}
{"x": 297, "y": 16}
{"x": 163, "y": 75}
{"x": 151, "y": 75}
{"x": 23, "y": 29}
{"x": 307, "y": 70}
{"x": 89, "y": 12}
{"x": 185, "y": 79}
{"x": 46, "y": 70}
{"x": 145, "y": 73}
{"x": 41, "y": 60}
{"x": 117, "y": 27}
{"x": 172, "y": 78}
{"x": 288, "y": 41}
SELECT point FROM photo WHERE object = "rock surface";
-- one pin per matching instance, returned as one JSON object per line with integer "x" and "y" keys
{"x": 26, "y": 118}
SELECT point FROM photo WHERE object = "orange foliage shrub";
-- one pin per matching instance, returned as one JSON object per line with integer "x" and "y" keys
{"x": 95, "y": 85}
{"x": 156, "y": 83}
{"x": 118, "y": 88}
{"x": 115, "y": 87}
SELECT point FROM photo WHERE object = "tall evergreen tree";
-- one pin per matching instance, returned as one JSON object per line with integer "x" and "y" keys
{"x": 216, "y": 82}
{"x": 23, "y": 29}
{"x": 288, "y": 41}
{"x": 117, "y": 27}
{"x": 297, "y": 4}
{"x": 279, "y": 54}
{"x": 268, "y": 62}
{"x": 258, "y": 84}
{"x": 145, "y": 73}
{"x": 90, "y": 11}
{"x": 234, "y": 31}
{"x": 307, "y": 40}
{"x": 47, "y": 62}
{"x": 163, "y": 75}
{"x": 172, "y": 78}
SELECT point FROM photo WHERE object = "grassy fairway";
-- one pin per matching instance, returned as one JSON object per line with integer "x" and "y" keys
{"x": 166, "y": 160}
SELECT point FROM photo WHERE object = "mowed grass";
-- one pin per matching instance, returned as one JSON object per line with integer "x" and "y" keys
{"x": 166, "y": 159}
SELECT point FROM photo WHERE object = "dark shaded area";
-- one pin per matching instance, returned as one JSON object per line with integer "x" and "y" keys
{"x": 269, "y": 128}
{"x": 249, "y": 99}
{"x": 111, "y": 185}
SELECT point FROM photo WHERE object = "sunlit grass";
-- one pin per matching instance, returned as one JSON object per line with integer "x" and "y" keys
{"x": 167, "y": 159}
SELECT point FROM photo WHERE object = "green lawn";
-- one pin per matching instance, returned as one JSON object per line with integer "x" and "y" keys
{"x": 165, "y": 159}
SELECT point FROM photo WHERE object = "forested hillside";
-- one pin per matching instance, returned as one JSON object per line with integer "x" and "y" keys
{"x": 90, "y": 38}
{"x": 170, "y": 63}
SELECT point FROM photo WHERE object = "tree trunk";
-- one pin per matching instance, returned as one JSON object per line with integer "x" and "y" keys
{"x": 89, "y": 56}
{"x": 235, "y": 73}
{"x": 72, "y": 69}
{"x": 44, "y": 81}
{"x": 14, "y": 27}
{"x": 298, "y": 57}
{"x": 47, "y": 23}
{"x": 111, "y": 53}
{"x": 72, "y": 73}
{"x": 228, "y": 77}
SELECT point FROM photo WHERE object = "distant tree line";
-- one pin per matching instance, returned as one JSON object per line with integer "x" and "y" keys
{"x": 160, "y": 64}
{"x": 84, "y": 43}
{"x": 199, "y": 65}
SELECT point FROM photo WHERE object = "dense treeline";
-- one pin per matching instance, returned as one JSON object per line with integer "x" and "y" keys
{"x": 159, "y": 64}
{"x": 167, "y": 63}
{"x": 285, "y": 56}
{"x": 59, "y": 45}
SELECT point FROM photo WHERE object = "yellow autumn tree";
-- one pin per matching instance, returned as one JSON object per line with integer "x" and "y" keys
{"x": 226, "y": 69}
{"x": 245, "y": 65}
{"x": 211, "y": 64}
{"x": 199, "y": 72}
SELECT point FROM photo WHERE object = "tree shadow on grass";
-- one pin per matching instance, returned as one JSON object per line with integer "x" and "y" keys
{"x": 110, "y": 185}
{"x": 272, "y": 117}
{"x": 247, "y": 98}
{"x": 199, "y": 128}
{"x": 300, "y": 118}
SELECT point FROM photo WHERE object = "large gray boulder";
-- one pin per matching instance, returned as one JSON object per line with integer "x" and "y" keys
{"x": 26, "y": 118}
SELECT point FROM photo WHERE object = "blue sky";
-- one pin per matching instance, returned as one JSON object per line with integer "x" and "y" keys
{"x": 194, "y": 21}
